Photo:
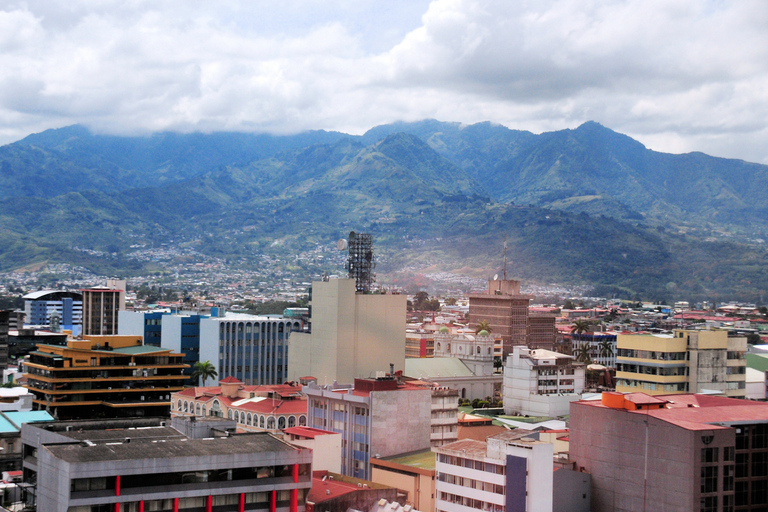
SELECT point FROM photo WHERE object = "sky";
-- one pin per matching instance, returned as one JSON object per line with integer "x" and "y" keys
{"x": 677, "y": 75}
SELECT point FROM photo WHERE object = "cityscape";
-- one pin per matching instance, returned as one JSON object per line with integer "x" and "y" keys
{"x": 422, "y": 256}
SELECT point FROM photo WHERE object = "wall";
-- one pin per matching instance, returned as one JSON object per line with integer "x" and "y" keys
{"x": 400, "y": 421}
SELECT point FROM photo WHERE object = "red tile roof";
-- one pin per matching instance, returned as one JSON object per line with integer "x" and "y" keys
{"x": 324, "y": 490}
{"x": 230, "y": 380}
{"x": 309, "y": 432}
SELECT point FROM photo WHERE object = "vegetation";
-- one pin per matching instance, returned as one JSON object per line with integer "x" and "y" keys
{"x": 204, "y": 370}
{"x": 483, "y": 325}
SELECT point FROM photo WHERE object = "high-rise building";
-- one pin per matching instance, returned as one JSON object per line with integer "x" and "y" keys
{"x": 353, "y": 335}
{"x": 100, "y": 308}
{"x": 687, "y": 361}
{"x": 40, "y": 305}
{"x": 682, "y": 452}
{"x": 506, "y": 311}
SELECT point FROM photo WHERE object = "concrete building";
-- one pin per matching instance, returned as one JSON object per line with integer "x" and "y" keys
{"x": 412, "y": 473}
{"x": 11, "y": 423}
{"x": 112, "y": 376}
{"x": 541, "y": 382}
{"x": 506, "y": 311}
{"x": 601, "y": 347}
{"x": 463, "y": 362}
{"x": 505, "y": 473}
{"x": 352, "y": 334}
{"x": 269, "y": 408}
{"x": 688, "y": 361}
{"x": 146, "y": 465}
{"x": 41, "y": 305}
{"x": 542, "y": 332}
{"x": 681, "y": 452}
{"x": 419, "y": 343}
{"x": 325, "y": 446}
{"x": 376, "y": 417}
{"x": 444, "y": 424}
{"x": 100, "y": 307}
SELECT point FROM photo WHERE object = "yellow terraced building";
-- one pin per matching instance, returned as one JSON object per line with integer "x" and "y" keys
{"x": 687, "y": 361}
{"x": 104, "y": 376}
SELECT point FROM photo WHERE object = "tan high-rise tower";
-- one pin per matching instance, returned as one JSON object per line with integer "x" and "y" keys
{"x": 100, "y": 307}
{"x": 505, "y": 309}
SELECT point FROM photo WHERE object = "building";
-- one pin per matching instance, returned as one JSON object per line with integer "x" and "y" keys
{"x": 41, "y": 305}
{"x": 11, "y": 423}
{"x": 504, "y": 473}
{"x": 325, "y": 446}
{"x": 444, "y": 423}
{"x": 601, "y": 347}
{"x": 688, "y": 361}
{"x": 463, "y": 362}
{"x": 376, "y": 417}
{"x": 542, "y": 332}
{"x": 419, "y": 343}
{"x": 147, "y": 465}
{"x": 352, "y": 334}
{"x": 254, "y": 408}
{"x": 4, "y": 319}
{"x": 506, "y": 311}
{"x": 108, "y": 376}
{"x": 412, "y": 473}
{"x": 100, "y": 308}
{"x": 332, "y": 492}
{"x": 680, "y": 452}
{"x": 541, "y": 382}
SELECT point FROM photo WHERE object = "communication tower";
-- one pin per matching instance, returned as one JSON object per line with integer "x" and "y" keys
{"x": 361, "y": 261}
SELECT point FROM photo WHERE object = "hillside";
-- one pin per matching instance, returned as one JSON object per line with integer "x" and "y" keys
{"x": 577, "y": 206}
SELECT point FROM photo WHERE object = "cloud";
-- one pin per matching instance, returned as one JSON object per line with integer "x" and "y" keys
{"x": 678, "y": 76}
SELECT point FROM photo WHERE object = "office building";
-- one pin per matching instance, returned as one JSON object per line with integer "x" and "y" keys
{"x": 352, "y": 334}
{"x": 505, "y": 309}
{"x": 100, "y": 308}
{"x": 41, "y": 305}
{"x": 542, "y": 331}
{"x": 681, "y": 452}
{"x": 601, "y": 347}
{"x": 146, "y": 465}
{"x": 419, "y": 343}
{"x": 376, "y": 417}
{"x": 108, "y": 376}
{"x": 687, "y": 361}
{"x": 541, "y": 382}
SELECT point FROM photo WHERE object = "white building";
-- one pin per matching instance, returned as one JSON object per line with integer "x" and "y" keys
{"x": 352, "y": 335}
{"x": 504, "y": 473}
{"x": 541, "y": 382}
{"x": 463, "y": 362}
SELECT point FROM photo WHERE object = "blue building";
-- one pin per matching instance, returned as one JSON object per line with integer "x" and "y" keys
{"x": 68, "y": 306}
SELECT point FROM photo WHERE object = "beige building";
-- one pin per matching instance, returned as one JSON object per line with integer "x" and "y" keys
{"x": 352, "y": 335}
{"x": 687, "y": 361}
{"x": 100, "y": 308}
{"x": 412, "y": 473}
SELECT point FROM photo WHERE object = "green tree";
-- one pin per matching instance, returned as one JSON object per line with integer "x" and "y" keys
{"x": 204, "y": 370}
{"x": 450, "y": 301}
{"x": 754, "y": 339}
{"x": 582, "y": 354}
{"x": 483, "y": 325}
{"x": 606, "y": 348}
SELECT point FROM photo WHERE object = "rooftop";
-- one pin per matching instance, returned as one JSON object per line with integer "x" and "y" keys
{"x": 422, "y": 459}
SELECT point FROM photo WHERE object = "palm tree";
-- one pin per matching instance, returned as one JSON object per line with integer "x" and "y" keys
{"x": 483, "y": 325}
{"x": 205, "y": 371}
{"x": 606, "y": 348}
{"x": 582, "y": 354}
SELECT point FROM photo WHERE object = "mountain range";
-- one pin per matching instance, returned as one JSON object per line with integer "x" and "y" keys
{"x": 583, "y": 206}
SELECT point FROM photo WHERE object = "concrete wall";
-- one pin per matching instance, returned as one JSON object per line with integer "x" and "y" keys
{"x": 130, "y": 323}
{"x": 571, "y": 491}
{"x": 209, "y": 346}
{"x": 400, "y": 421}
{"x": 326, "y": 451}
{"x": 171, "y": 333}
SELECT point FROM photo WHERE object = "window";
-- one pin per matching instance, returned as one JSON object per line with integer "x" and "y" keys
{"x": 708, "y": 455}
{"x": 728, "y": 472}
{"x": 709, "y": 479}
{"x": 709, "y": 504}
{"x": 728, "y": 454}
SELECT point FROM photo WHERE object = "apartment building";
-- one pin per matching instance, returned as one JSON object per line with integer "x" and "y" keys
{"x": 506, "y": 311}
{"x": 687, "y": 361}
{"x": 100, "y": 308}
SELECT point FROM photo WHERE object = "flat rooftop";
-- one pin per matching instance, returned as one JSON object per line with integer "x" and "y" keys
{"x": 422, "y": 459}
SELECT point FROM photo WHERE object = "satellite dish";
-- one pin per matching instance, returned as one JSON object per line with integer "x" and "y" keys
{"x": 341, "y": 244}
{"x": 495, "y": 277}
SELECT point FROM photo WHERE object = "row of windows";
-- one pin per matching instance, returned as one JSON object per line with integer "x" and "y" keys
{"x": 652, "y": 354}
{"x": 471, "y": 503}
{"x": 250, "y": 419}
{"x": 472, "y": 464}
{"x": 652, "y": 386}
{"x": 250, "y": 500}
{"x": 651, "y": 370}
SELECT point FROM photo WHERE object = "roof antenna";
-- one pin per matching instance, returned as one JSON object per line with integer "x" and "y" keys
{"x": 505, "y": 258}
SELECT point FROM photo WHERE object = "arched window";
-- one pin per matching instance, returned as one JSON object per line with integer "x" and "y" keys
{"x": 281, "y": 422}
{"x": 449, "y": 347}
{"x": 490, "y": 350}
{"x": 203, "y": 410}
{"x": 438, "y": 345}
{"x": 197, "y": 409}
{"x": 250, "y": 419}
{"x": 229, "y": 414}
{"x": 271, "y": 423}
{"x": 178, "y": 406}
{"x": 216, "y": 409}
{"x": 186, "y": 406}
{"x": 242, "y": 418}
{"x": 261, "y": 421}
{"x": 292, "y": 421}
{"x": 463, "y": 392}
{"x": 302, "y": 421}
{"x": 478, "y": 350}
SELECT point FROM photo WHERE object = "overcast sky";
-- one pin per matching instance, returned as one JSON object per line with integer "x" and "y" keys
{"x": 678, "y": 76}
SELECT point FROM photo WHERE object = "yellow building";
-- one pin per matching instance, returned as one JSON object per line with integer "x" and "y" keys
{"x": 687, "y": 361}
{"x": 104, "y": 376}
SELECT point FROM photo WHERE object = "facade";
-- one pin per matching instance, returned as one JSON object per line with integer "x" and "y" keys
{"x": 541, "y": 382}
{"x": 542, "y": 332}
{"x": 11, "y": 423}
{"x": 100, "y": 307}
{"x": 504, "y": 474}
{"x": 41, "y": 305}
{"x": 113, "y": 376}
{"x": 376, "y": 418}
{"x": 136, "y": 466}
{"x": 325, "y": 446}
{"x": 253, "y": 408}
{"x": 412, "y": 473}
{"x": 352, "y": 334}
{"x": 419, "y": 344}
{"x": 506, "y": 311}
{"x": 601, "y": 347}
{"x": 688, "y": 361}
{"x": 445, "y": 416}
{"x": 681, "y": 452}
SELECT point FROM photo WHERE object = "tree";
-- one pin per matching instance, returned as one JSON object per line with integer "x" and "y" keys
{"x": 205, "y": 371}
{"x": 450, "y": 301}
{"x": 754, "y": 339}
{"x": 582, "y": 354}
{"x": 483, "y": 325}
{"x": 579, "y": 327}
{"x": 606, "y": 348}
